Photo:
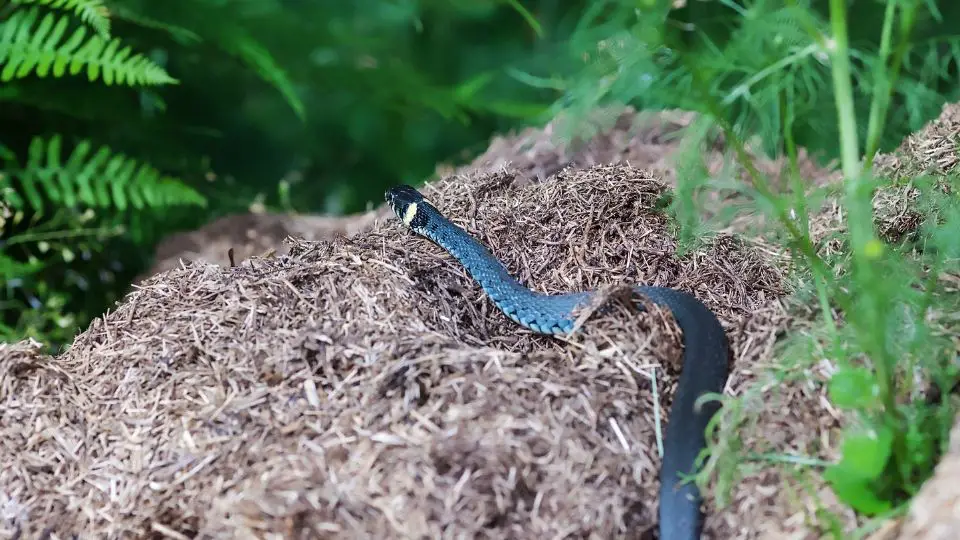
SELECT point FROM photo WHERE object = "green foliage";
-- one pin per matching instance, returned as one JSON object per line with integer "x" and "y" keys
{"x": 259, "y": 59}
{"x": 776, "y": 75}
{"x": 27, "y": 48}
{"x": 866, "y": 453}
{"x": 318, "y": 106}
{"x": 99, "y": 180}
{"x": 91, "y": 12}
{"x": 298, "y": 106}
{"x": 54, "y": 209}
{"x": 66, "y": 205}
{"x": 764, "y": 61}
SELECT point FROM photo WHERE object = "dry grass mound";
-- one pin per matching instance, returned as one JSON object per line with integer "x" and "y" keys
{"x": 654, "y": 141}
{"x": 934, "y": 149}
{"x": 649, "y": 140}
{"x": 364, "y": 387}
{"x": 645, "y": 140}
{"x": 235, "y": 238}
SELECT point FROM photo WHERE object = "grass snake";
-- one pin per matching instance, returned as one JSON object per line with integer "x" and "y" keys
{"x": 705, "y": 357}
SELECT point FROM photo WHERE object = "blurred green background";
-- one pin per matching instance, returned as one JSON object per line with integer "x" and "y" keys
{"x": 317, "y": 107}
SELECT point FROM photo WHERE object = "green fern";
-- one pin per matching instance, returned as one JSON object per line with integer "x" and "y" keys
{"x": 179, "y": 33}
{"x": 259, "y": 58}
{"x": 26, "y": 48}
{"x": 91, "y": 12}
{"x": 101, "y": 180}
{"x": 11, "y": 268}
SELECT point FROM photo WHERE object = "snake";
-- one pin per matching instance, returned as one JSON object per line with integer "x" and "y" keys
{"x": 705, "y": 349}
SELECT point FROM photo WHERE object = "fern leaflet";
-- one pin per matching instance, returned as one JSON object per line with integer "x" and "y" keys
{"x": 103, "y": 180}
{"x": 91, "y": 12}
{"x": 179, "y": 33}
{"x": 25, "y": 50}
{"x": 260, "y": 59}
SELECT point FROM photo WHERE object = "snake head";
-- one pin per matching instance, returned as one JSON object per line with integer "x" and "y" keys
{"x": 409, "y": 205}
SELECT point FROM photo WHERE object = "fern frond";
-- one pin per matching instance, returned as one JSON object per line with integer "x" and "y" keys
{"x": 25, "y": 50}
{"x": 179, "y": 33}
{"x": 259, "y": 58}
{"x": 12, "y": 269}
{"x": 103, "y": 179}
{"x": 91, "y": 12}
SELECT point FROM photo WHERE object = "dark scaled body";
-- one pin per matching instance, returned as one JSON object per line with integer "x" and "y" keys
{"x": 706, "y": 350}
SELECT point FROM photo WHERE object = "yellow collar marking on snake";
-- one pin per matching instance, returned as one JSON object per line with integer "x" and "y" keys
{"x": 409, "y": 214}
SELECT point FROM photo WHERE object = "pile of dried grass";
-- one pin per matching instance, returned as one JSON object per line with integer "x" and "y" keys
{"x": 649, "y": 140}
{"x": 364, "y": 387}
{"x": 237, "y": 237}
{"x": 934, "y": 149}
{"x": 930, "y": 151}
{"x": 645, "y": 140}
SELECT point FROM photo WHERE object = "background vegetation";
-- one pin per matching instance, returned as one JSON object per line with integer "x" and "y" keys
{"x": 304, "y": 106}
{"x": 125, "y": 120}
{"x": 845, "y": 84}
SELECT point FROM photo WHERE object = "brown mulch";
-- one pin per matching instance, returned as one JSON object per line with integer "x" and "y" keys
{"x": 364, "y": 387}
{"x": 235, "y": 238}
{"x": 645, "y": 140}
{"x": 933, "y": 150}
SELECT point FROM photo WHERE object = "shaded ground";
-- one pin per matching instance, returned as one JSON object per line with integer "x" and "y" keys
{"x": 363, "y": 387}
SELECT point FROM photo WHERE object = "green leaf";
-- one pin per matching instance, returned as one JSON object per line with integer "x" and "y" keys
{"x": 6, "y": 154}
{"x": 865, "y": 456}
{"x": 105, "y": 179}
{"x": 80, "y": 180}
{"x": 866, "y": 452}
{"x": 91, "y": 12}
{"x": 469, "y": 88}
{"x": 856, "y": 493}
{"x": 527, "y": 16}
{"x": 263, "y": 63}
{"x": 28, "y": 48}
{"x": 854, "y": 388}
{"x": 178, "y": 33}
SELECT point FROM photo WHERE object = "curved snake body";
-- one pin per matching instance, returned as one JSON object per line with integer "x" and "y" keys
{"x": 704, "y": 360}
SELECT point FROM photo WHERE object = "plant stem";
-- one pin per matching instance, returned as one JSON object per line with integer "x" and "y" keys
{"x": 63, "y": 235}
{"x": 840, "y": 64}
{"x": 858, "y": 201}
{"x": 886, "y": 78}
{"x": 799, "y": 239}
{"x": 868, "y": 317}
{"x": 882, "y": 88}
{"x": 800, "y": 206}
